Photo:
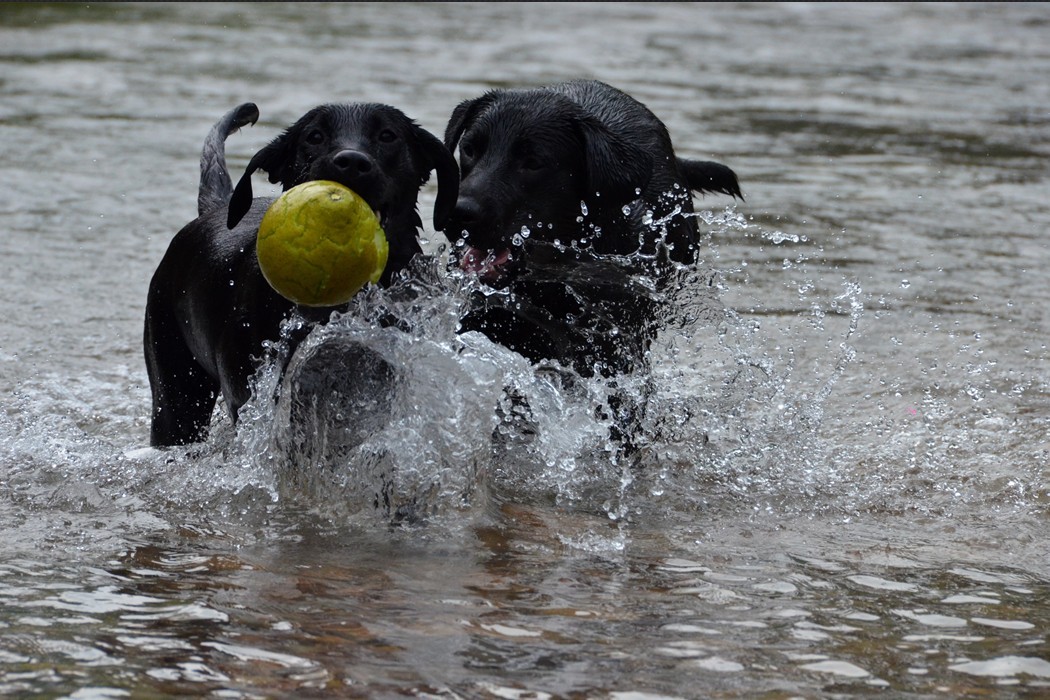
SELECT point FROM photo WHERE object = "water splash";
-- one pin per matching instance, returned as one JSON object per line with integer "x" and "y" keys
{"x": 724, "y": 413}
{"x": 741, "y": 391}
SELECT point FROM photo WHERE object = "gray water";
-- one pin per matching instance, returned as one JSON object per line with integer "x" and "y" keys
{"x": 845, "y": 489}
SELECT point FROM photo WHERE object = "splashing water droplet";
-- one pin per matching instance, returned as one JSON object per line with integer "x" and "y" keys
{"x": 778, "y": 237}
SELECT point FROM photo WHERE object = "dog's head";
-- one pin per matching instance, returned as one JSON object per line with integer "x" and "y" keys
{"x": 373, "y": 149}
{"x": 537, "y": 170}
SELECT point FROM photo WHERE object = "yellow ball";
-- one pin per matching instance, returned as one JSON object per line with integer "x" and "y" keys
{"x": 319, "y": 243}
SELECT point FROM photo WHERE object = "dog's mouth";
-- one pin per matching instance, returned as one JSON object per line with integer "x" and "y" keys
{"x": 378, "y": 209}
{"x": 490, "y": 266}
{"x": 373, "y": 198}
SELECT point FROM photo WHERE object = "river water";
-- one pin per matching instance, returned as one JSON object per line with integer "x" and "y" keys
{"x": 844, "y": 489}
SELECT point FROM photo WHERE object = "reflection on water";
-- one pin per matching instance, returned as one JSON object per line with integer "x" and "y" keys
{"x": 445, "y": 615}
{"x": 840, "y": 487}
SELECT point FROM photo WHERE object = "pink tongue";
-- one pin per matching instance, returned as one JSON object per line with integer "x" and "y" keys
{"x": 485, "y": 263}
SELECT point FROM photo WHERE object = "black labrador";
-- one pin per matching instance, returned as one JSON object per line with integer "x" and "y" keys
{"x": 210, "y": 311}
{"x": 574, "y": 206}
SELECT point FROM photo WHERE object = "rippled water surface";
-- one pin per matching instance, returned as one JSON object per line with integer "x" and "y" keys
{"x": 843, "y": 486}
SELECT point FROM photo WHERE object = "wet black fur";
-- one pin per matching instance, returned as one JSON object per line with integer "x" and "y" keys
{"x": 209, "y": 309}
{"x": 580, "y": 165}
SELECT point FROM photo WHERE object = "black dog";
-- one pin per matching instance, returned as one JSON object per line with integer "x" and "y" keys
{"x": 573, "y": 203}
{"x": 210, "y": 310}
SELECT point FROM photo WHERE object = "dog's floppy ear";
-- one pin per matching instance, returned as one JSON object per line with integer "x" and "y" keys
{"x": 615, "y": 167}
{"x": 275, "y": 159}
{"x": 464, "y": 115}
{"x": 440, "y": 158}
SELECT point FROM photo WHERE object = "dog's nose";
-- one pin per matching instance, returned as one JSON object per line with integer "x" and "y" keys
{"x": 353, "y": 162}
{"x": 465, "y": 220}
{"x": 466, "y": 212}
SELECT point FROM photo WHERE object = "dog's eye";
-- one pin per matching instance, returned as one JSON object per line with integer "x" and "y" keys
{"x": 466, "y": 150}
{"x": 531, "y": 163}
{"x": 387, "y": 136}
{"x": 315, "y": 137}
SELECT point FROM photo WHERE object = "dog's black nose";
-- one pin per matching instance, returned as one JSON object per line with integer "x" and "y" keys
{"x": 465, "y": 220}
{"x": 353, "y": 162}
{"x": 466, "y": 212}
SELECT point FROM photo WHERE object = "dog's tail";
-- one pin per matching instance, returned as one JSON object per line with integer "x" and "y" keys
{"x": 707, "y": 176}
{"x": 216, "y": 186}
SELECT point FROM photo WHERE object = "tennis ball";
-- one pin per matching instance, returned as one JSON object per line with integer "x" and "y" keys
{"x": 319, "y": 243}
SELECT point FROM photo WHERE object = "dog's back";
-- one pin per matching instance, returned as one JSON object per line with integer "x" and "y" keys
{"x": 624, "y": 116}
{"x": 667, "y": 192}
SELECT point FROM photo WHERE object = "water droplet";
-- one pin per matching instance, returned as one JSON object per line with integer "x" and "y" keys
{"x": 525, "y": 232}
{"x": 583, "y": 208}
{"x": 778, "y": 237}
{"x": 905, "y": 284}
